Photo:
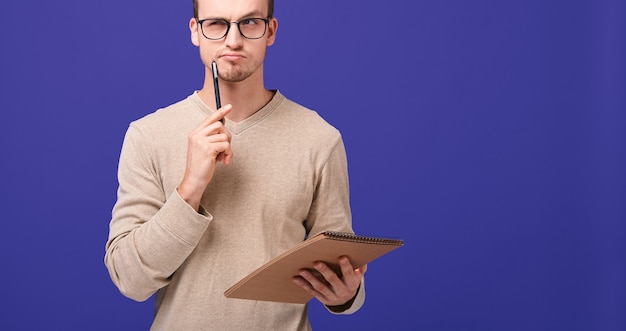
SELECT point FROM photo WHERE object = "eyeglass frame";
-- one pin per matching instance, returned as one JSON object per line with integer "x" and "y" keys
{"x": 266, "y": 20}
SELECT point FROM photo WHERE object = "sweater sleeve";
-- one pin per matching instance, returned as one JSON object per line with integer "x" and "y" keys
{"x": 330, "y": 210}
{"x": 150, "y": 234}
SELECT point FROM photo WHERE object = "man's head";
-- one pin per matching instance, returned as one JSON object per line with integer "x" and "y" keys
{"x": 238, "y": 56}
{"x": 270, "y": 8}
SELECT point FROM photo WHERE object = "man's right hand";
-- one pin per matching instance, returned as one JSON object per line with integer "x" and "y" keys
{"x": 207, "y": 145}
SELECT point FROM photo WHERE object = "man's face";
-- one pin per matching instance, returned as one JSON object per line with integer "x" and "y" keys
{"x": 237, "y": 57}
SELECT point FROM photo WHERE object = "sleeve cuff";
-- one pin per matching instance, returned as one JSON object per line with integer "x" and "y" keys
{"x": 180, "y": 218}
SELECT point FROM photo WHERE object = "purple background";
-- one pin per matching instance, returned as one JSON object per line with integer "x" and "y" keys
{"x": 489, "y": 135}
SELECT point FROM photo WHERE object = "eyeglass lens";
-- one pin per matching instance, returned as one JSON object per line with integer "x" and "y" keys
{"x": 251, "y": 28}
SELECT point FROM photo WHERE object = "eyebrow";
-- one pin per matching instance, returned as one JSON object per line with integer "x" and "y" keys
{"x": 254, "y": 13}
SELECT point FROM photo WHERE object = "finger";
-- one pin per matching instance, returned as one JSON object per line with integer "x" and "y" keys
{"x": 225, "y": 154}
{"x": 222, "y": 112}
{"x": 329, "y": 274}
{"x": 206, "y": 141}
{"x": 214, "y": 128}
{"x": 228, "y": 156}
{"x": 217, "y": 116}
{"x": 345, "y": 286}
{"x": 318, "y": 285}
{"x": 211, "y": 134}
{"x": 305, "y": 285}
{"x": 350, "y": 277}
{"x": 207, "y": 130}
{"x": 220, "y": 145}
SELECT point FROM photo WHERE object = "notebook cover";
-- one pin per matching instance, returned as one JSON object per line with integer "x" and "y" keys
{"x": 273, "y": 280}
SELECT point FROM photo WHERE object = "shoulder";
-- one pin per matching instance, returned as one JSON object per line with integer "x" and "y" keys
{"x": 177, "y": 117}
{"x": 307, "y": 122}
{"x": 169, "y": 114}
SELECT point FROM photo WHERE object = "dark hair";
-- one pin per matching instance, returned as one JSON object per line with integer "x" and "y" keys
{"x": 270, "y": 7}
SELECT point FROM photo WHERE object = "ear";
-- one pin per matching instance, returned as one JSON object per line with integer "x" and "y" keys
{"x": 193, "y": 28}
{"x": 272, "y": 27}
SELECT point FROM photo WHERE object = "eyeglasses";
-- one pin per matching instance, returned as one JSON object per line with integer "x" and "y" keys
{"x": 250, "y": 28}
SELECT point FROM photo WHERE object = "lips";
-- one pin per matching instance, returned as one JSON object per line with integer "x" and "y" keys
{"x": 232, "y": 56}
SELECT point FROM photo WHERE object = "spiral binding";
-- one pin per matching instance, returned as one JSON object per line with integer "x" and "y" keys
{"x": 346, "y": 236}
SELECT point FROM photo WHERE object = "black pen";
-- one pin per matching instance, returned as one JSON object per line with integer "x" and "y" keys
{"x": 216, "y": 88}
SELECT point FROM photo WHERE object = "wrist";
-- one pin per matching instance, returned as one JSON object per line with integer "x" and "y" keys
{"x": 190, "y": 195}
{"x": 345, "y": 306}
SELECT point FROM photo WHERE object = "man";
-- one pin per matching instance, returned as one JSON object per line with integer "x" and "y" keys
{"x": 201, "y": 204}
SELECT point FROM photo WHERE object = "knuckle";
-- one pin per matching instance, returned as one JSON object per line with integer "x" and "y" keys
{"x": 332, "y": 277}
{"x": 321, "y": 267}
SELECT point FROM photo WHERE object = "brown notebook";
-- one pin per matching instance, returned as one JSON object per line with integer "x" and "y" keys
{"x": 273, "y": 280}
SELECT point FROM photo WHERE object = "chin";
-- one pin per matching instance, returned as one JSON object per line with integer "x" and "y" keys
{"x": 235, "y": 73}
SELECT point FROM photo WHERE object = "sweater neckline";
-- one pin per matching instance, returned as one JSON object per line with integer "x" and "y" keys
{"x": 237, "y": 128}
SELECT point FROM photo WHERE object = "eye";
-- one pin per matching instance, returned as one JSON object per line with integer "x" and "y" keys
{"x": 250, "y": 21}
{"x": 215, "y": 23}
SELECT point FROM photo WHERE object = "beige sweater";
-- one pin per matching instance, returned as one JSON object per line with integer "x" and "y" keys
{"x": 288, "y": 179}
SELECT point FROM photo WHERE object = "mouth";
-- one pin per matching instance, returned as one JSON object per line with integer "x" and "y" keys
{"x": 231, "y": 57}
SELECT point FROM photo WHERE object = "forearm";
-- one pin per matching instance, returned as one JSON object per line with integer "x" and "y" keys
{"x": 142, "y": 256}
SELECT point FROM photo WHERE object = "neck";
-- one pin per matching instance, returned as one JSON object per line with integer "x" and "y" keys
{"x": 247, "y": 97}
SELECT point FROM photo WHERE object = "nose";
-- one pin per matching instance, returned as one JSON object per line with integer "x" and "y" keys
{"x": 233, "y": 38}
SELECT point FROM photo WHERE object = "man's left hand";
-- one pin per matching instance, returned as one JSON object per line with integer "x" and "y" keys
{"x": 327, "y": 286}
